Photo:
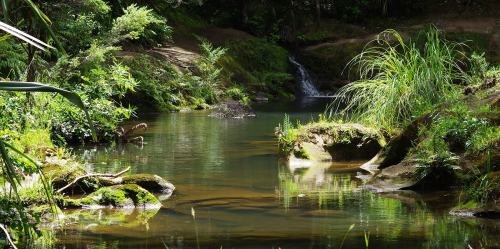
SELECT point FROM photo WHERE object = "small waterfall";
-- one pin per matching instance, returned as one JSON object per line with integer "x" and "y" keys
{"x": 307, "y": 87}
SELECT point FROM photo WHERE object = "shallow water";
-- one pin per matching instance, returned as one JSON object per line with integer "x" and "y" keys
{"x": 228, "y": 172}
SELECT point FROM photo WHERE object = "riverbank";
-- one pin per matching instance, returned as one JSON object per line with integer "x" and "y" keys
{"x": 451, "y": 144}
{"x": 243, "y": 196}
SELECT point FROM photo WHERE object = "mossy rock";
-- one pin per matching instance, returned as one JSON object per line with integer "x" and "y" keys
{"x": 61, "y": 172}
{"x": 337, "y": 142}
{"x": 152, "y": 183}
{"x": 119, "y": 196}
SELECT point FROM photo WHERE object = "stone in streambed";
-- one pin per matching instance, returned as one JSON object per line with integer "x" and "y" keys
{"x": 327, "y": 142}
{"x": 60, "y": 172}
{"x": 118, "y": 196}
{"x": 152, "y": 183}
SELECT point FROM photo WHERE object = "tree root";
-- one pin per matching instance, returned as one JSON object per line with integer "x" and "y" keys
{"x": 93, "y": 175}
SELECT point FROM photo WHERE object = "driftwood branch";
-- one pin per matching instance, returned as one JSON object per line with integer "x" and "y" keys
{"x": 92, "y": 175}
{"x": 7, "y": 236}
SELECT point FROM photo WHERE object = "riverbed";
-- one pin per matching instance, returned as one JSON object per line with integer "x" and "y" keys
{"x": 233, "y": 191}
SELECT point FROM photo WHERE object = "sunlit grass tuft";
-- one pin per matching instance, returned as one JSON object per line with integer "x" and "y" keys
{"x": 399, "y": 80}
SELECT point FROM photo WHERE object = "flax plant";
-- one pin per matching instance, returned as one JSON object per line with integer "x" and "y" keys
{"x": 399, "y": 80}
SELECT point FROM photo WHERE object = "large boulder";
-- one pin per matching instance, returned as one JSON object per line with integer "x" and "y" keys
{"x": 152, "y": 183}
{"x": 119, "y": 196}
{"x": 327, "y": 142}
{"x": 407, "y": 163}
{"x": 60, "y": 172}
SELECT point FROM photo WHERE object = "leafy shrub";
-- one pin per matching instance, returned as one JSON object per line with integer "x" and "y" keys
{"x": 259, "y": 64}
{"x": 156, "y": 81}
{"x": 237, "y": 92}
{"x": 79, "y": 33}
{"x": 137, "y": 22}
{"x": 12, "y": 60}
{"x": 209, "y": 81}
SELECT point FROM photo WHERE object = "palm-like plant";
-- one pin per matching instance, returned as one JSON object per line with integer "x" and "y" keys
{"x": 8, "y": 167}
{"x": 37, "y": 17}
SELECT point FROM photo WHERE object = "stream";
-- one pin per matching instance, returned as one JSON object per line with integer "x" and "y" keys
{"x": 227, "y": 173}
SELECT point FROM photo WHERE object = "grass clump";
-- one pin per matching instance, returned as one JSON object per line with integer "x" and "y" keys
{"x": 399, "y": 80}
{"x": 287, "y": 135}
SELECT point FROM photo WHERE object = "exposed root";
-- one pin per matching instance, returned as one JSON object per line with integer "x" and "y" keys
{"x": 92, "y": 175}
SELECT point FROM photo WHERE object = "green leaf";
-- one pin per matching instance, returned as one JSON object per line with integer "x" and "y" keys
{"x": 37, "y": 87}
{"x": 24, "y": 36}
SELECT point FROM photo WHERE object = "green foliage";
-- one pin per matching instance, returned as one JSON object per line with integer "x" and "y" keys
{"x": 460, "y": 131}
{"x": 137, "y": 22}
{"x": 399, "y": 81}
{"x": 483, "y": 188}
{"x": 259, "y": 64}
{"x": 156, "y": 81}
{"x": 78, "y": 34}
{"x": 98, "y": 6}
{"x": 12, "y": 60}
{"x": 237, "y": 92}
{"x": 209, "y": 81}
{"x": 113, "y": 81}
{"x": 287, "y": 134}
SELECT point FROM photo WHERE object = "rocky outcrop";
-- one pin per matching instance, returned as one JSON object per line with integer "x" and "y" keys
{"x": 402, "y": 165}
{"x": 106, "y": 190}
{"x": 232, "y": 109}
{"x": 69, "y": 176}
{"x": 327, "y": 142}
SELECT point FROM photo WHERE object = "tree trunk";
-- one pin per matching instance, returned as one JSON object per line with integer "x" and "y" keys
{"x": 318, "y": 12}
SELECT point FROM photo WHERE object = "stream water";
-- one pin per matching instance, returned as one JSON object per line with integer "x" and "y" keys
{"x": 229, "y": 173}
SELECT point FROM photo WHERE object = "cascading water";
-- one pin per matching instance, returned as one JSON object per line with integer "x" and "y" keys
{"x": 307, "y": 87}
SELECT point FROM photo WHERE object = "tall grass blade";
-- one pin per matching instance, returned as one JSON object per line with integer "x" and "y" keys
{"x": 24, "y": 36}
{"x": 399, "y": 79}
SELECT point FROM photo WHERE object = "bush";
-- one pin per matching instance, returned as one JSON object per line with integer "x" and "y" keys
{"x": 259, "y": 64}
{"x": 156, "y": 82}
{"x": 238, "y": 93}
{"x": 139, "y": 22}
{"x": 399, "y": 81}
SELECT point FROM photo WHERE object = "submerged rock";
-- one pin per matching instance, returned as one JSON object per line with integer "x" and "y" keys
{"x": 476, "y": 212}
{"x": 232, "y": 109}
{"x": 119, "y": 196}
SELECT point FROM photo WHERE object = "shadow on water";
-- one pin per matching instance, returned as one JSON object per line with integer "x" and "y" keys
{"x": 244, "y": 197}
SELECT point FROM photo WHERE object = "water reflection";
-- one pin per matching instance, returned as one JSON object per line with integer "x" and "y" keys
{"x": 228, "y": 171}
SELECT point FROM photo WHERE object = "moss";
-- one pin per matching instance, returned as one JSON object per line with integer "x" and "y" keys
{"x": 117, "y": 196}
{"x": 259, "y": 65}
{"x": 339, "y": 141}
{"x": 301, "y": 153}
{"x": 62, "y": 172}
{"x": 139, "y": 195}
